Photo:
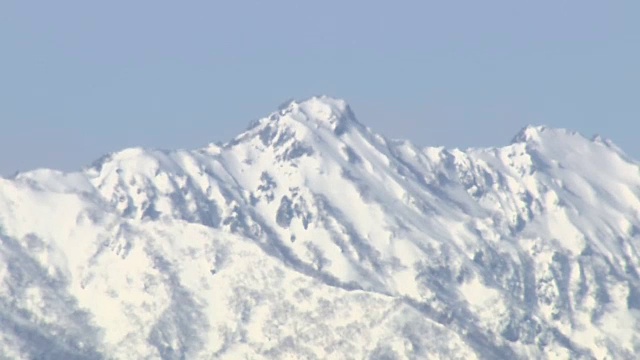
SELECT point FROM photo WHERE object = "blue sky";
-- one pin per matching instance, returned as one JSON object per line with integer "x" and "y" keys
{"x": 79, "y": 79}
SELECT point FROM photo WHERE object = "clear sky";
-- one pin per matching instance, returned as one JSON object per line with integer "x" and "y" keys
{"x": 82, "y": 78}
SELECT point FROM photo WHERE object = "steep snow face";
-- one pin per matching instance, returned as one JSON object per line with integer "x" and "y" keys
{"x": 273, "y": 244}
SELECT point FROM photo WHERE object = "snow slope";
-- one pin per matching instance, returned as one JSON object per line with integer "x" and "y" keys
{"x": 311, "y": 236}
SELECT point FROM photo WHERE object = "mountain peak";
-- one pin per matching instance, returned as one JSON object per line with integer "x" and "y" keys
{"x": 538, "y": 133}
{"x": 529, "y": 133}
{"x": 323, "y": 105}
{"x": 317, "y": 113}
{"x": 321, "y": 110}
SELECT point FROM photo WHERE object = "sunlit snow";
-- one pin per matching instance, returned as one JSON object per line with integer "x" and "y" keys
{"x": 310, "y": 236}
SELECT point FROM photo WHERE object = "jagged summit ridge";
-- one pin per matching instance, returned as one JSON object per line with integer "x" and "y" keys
{"x": 272, "y": 244}
{"x": 320, "y": 108}
{"x": 529, "y": 133}
{"x": 538, "y": 133}
{"x": 316, "y": 113}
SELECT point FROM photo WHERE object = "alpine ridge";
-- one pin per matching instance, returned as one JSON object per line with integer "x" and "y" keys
{"x": 311, "y": 236}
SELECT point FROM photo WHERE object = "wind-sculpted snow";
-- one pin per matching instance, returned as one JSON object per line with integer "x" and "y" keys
{"x": 311, "y": 236}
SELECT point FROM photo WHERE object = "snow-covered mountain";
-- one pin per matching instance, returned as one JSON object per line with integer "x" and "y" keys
{"x": 311, "y": 236}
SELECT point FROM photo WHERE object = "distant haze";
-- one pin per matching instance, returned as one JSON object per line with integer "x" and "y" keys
{"x": 80, "y": 79}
